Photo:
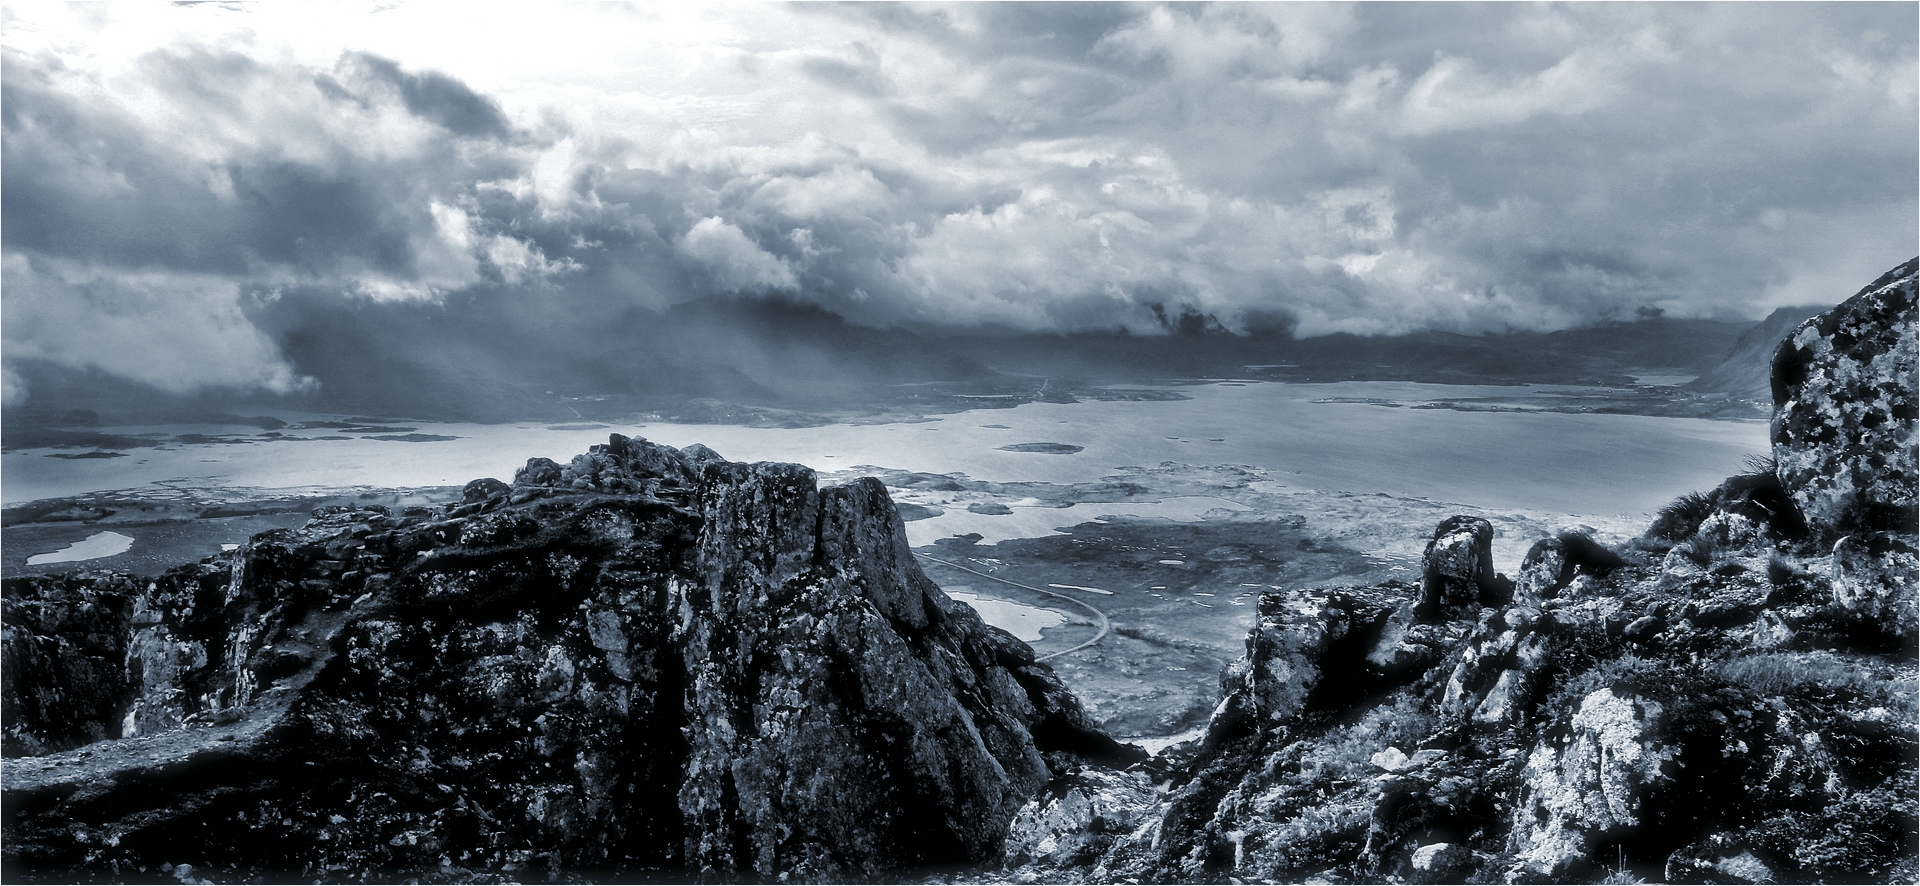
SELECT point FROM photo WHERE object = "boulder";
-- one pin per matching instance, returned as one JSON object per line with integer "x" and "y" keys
{"x": 1844, "y": 421}
{"x": 1497, "y": 668}
{"x": 484, "y": 489}
{"x": 1543, "y": 572}
{"x": 1458, "y": 577}
{"x": 1077, "y": 819}
{"x": 1442, "y": 863}
{"x": 1553, "y": 563}
{"x": 538, "y": 472}
{"x": 1309, "y": 645}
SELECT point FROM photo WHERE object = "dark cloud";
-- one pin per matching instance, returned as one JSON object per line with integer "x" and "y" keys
{"x": 437, "y": 97}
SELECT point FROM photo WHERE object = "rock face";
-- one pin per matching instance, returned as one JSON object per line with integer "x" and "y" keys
{"x": 1576, "y": 793}
{"x": 66, "y": 652}
{"x": 1843, "y": 427}
{"x": 647, "y": 660}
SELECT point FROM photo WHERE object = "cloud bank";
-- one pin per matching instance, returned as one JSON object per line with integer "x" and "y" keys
{"x": 192, "y": 192}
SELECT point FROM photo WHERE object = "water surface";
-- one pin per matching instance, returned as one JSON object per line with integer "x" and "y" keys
{"x": 93, "y": 547}
{"x": 1551, "y": 462}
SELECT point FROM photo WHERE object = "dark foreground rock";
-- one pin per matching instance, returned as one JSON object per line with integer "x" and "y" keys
{"x": 649, "y": 663}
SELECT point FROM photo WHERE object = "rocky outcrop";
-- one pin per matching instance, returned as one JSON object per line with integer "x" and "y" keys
{"x": 1553, "y": 563}
{"x": 1730, "y": 699}
{"x": 1459, "y": 577}
{"x": 1576, "y": 792}
{"x": 645, "y": 663}
{"x": 1844, "y": 443}
{"x": 1637, "y": 725}
{"x": 64, "y": 660}
{"x": 1845, "y": 448}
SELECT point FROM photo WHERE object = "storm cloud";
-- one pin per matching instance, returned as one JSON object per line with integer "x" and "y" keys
{"x": 192, "y": 194}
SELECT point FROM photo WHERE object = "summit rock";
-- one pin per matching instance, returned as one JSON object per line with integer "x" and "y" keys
{"x": 643, "y": 663}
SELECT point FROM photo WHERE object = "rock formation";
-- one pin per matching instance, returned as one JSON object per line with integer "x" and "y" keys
{"x": 646, "y": 663}
{"x": 1843, "y": 426}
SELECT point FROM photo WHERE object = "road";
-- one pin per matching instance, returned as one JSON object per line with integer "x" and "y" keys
{"x": 1099, "y": 618}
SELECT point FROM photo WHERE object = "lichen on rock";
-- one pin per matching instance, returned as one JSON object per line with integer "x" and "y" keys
{"x": 1844, "y": 443}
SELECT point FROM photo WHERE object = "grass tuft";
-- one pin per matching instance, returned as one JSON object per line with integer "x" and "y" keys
{"x": 1682, "y": 517}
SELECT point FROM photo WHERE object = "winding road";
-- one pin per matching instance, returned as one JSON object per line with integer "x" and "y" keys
{"x": 1099, "y": 618}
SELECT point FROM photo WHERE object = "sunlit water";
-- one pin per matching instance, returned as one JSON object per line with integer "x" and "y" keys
{"x": 93, "y": 547}
{"x": 1018, "y": 619}
{"x": 1559, "y": 463}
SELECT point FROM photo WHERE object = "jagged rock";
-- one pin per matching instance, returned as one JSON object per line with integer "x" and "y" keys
{"x": 1309, "y": 655}
{"x": 1725, "y": 537}
{"x": 65, "y": 653}
{"x": 483, "y": 489}
{"x": 1405, "y": 645}
{"x": 1286, "y": 650}
{"x": 1553, "y": 563}
{"x": 538, "y": 472}
{"x": 1844, "y": 442}
{"x": 1458, "y": 576}
{"x": 1591, "y": 785}
{"x": 728, "y": 674}
{"x": 698, "y": 456}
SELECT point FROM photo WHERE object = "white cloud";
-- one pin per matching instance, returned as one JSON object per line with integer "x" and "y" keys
{"x": 736, "y": 262}
{"x": 1456, "y": 94}
{"x": 177, "y": 332}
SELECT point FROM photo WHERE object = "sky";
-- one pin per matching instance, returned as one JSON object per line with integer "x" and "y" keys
{"x": 186, "y": 191}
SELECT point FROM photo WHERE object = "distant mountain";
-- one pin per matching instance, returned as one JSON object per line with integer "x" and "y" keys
{"x": 722, "y": 358}
{"x": 1605, "y": 354}
{"x": 1743, "y": 373}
